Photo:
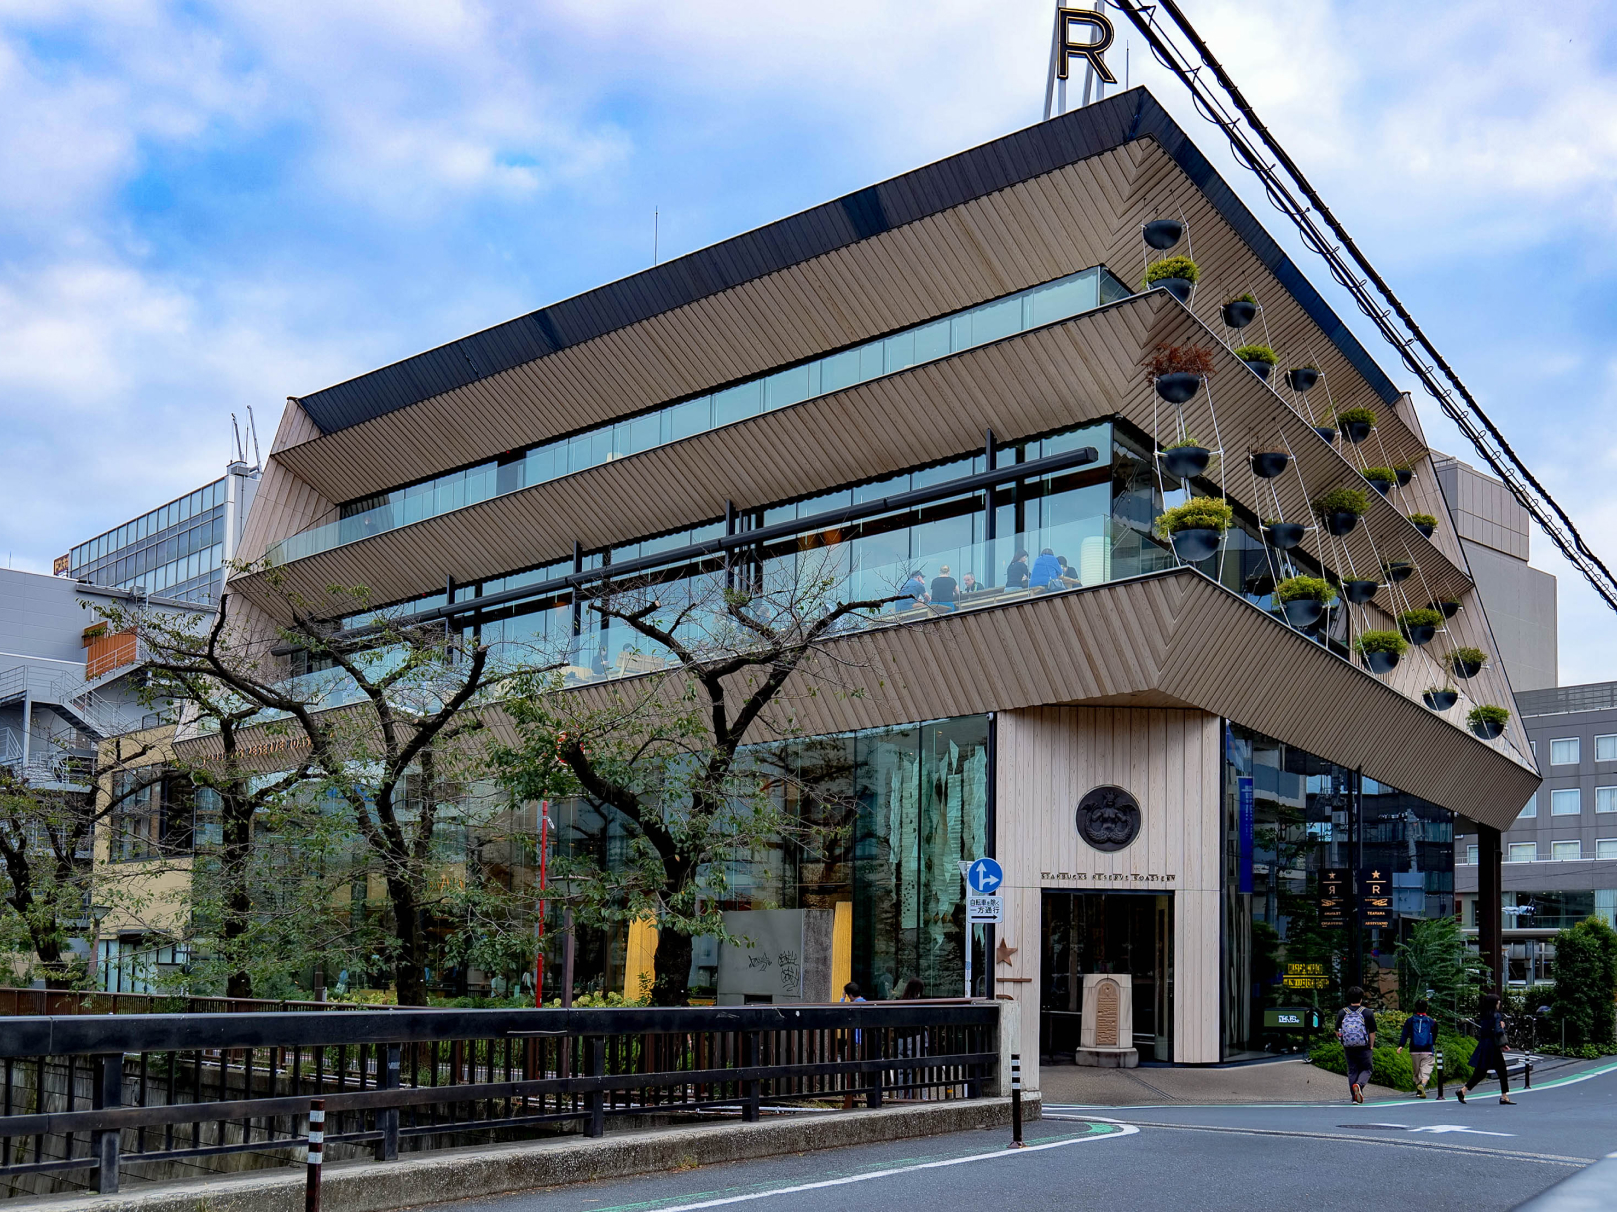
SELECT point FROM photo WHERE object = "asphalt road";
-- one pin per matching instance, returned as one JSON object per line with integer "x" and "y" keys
{"x": 1430, "y": 1155}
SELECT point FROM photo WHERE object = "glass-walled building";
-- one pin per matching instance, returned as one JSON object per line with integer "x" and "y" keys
{"x": 931, "y": 398}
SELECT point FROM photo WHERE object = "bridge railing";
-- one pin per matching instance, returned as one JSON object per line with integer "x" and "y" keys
{"x": 92, "y": 1096}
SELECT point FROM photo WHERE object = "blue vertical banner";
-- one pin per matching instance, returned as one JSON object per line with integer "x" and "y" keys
{"x": 1244, "y": 784}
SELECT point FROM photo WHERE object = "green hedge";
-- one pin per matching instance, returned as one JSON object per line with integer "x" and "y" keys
{"x": 1387, "y": 1068}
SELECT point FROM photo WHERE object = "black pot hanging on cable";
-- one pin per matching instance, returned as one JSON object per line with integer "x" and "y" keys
{"x": 1285, "y": 535}
{"x": 1186, "y": 461}
{"x": 1194, "y": 546}
{"x": 1178, "y": 386}
{"x": 1360, "y": 592}
{"x": 1238, "y": 313}
{"x": 1267, "y": 464}
{"x": 1162, "y": 233}
{"x": 1326, "y": 432}
{"x": 1302, "y": 378}
{"x": 1441, "y": 700}
{"x": 1303, "y": 612}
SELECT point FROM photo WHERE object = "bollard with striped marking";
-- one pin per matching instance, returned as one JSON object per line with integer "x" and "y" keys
{"x": 1016, "y": 1100}
{"x": 317, "y": 1153}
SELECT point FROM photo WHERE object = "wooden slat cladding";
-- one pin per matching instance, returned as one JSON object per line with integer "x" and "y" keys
{"x": 1084, "y": 369}
{"x": 1046, "y": 758}
{"x": 1085, "y": 213}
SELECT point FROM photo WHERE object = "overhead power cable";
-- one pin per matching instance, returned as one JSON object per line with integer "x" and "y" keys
{"x": 1350, "y": 267}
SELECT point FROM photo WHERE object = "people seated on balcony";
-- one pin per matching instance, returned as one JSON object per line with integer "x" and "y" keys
{"x": 1045, "y": 571}
{"x": 1016, "y": 574}
{"x": 943, "y": 590}
{"x": 913, "y": 593}
{"x": 1069, "y": 574}
{"x": 969, "y": 585}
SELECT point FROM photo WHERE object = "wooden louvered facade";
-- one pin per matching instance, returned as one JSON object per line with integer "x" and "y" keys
{"x": 1125, "y": 682}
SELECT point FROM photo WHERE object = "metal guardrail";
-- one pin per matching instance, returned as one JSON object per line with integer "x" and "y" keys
{"x": 72, "y": 1001}
{"x": 104, "y": 1093}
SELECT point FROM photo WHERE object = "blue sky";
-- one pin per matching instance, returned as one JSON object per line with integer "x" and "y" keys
{"x": 206, "y": 207}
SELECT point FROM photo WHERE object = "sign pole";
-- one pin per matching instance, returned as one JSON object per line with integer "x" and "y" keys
{"x": 316, "y": 1154}
{"x": 1016, "y": 1099}
{"x": 971, "y": 932}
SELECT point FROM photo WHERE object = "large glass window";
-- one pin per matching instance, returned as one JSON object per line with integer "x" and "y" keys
{"x": 1028, "y": 309}
{"x": 1564, "y": 752}
{"x": 1522, "y": 852}
{"x": 1289, "y": 817}
{"x": 1565, "y": 851}
{"x": 1567, "y": 802}
{"x": 1606, "y": 748}
{"x": 1529, "y": 809}
{"x": 1606, "y": 799}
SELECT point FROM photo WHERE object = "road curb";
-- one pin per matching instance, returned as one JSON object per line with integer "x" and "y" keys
{"x": 365, "y": 1186}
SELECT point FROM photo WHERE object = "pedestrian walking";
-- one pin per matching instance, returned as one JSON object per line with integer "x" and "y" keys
{"x": 1490, "y": 1052}
{"x": 1420, "y": 1037}
{"x": 1356, "y": 1028}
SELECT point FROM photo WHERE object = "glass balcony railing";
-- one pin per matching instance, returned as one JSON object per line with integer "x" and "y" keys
{"x": 1028, "y": 309}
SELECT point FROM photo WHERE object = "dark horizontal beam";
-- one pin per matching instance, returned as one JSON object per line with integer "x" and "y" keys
{"x": 89, "y": 1035}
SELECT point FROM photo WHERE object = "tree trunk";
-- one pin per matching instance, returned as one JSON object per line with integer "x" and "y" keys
{"x": 237, "y": 828}
{"x": 409, "y": 970}
{"x": 671, "y": 987}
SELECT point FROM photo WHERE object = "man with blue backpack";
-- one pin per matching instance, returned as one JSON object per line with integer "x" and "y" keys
{"x": 1356, "y": 1028}
{"x": 1420, "y": 1034}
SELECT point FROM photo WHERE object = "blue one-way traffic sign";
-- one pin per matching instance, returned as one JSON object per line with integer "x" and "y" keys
{"x": 985, "y": 876}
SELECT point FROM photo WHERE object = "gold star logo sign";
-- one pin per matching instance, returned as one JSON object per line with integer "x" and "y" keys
{"x": 1003, "y": 953}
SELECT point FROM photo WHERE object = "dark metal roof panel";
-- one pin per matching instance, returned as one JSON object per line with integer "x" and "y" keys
{"x": 1020, "y": 156}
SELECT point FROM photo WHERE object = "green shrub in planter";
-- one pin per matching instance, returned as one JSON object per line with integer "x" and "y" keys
{"x": 1294, "y": 589}
{"x": 1187, "y": 440}
{"x": 1487, "y": 713}
{"x": 1381, "y": 641}
{"x": 1467, "y": 656}
{"x": 1170, "y": 267}
{"x": 1257, "y": 353}
{"x": 1346, "y": 500}
{"x": 1381, "y": 475}
{"x": 1246, "y": 298}
{"x": 1351, "y": 416}
{"x": 1423, "y": 519}
{"x": 1198, "y": 513}
{"x": 1420, "y": 618}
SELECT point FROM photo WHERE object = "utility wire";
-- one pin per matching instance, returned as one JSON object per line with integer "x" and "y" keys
{"x": 1411, "y": 342}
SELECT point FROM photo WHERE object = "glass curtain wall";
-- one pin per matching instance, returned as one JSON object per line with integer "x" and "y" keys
{"x": 1288, "y": 817}
{"x": 913, "y": 802}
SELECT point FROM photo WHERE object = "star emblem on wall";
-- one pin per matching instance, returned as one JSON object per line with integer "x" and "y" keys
{"x": 1003, "y": 952}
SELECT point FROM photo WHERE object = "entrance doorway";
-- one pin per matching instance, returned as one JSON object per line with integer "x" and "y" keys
{"x": 1114, "y": 932}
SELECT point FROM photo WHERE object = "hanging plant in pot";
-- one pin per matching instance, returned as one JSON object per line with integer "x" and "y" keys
{"x": 1406, "y": 473}
{"x": 1397, "y": 570}
{"x": 1424, "y": 522}
{"x": 1356, "y": 423}
{"x": 1341, "y": 509}
{"x": 1196, "y": 527}
{"x": 1467, "y": 662}
{"x": 1284, "y": 535}
{"x": 1440, "y": 698}
{"x": 1381, "y": 478}
{"x": 1178, "y": 370}
{"x": 1487, "y": 721}
{"x": 1448, "y": 608}
{"x": 1240, "y": 311}
{"x": 1326, "y": 432}
{"x": 1360, "y": 592}
{"x": 1302, "y": 378}
{"x": 1185, "y": 458}
{"x": 1420, "y": 626}
{"x": 1303, "y": 599}
{"x": 1380, "y": 650}
{"x": 1162, "y": 234}
{"x": 1259, "y": 359}
{"x": 1267, "y": 464}
{"x": 1176, "y": 275}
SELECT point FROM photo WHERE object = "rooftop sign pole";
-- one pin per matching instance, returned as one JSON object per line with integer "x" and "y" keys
{"x": 1066, "y": 44}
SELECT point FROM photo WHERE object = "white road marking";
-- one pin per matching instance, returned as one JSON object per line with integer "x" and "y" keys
{"x": 1459, "y": 1128}
{"x": 1123, "y": 1130}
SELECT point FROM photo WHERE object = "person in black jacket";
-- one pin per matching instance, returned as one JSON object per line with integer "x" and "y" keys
{"x": 1490, "y": 1053}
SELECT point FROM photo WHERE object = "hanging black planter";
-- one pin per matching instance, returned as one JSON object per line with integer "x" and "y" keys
{"x": 1179, "y": 288}
{"x": 1194, "y": 546}
{"x": 1267, "y": 464}
{"x": 1356, "y": 431}
{"x": 1359, "y": 592}
{"x": 1447, "y": 609}
{"x": 1421, "y": 634}
{"x": 1302, "y": 378}
{"x": 1162, "y": 233}
{"x": 1186, "y": 461}
{"x": 1380, "y": 663}
{"x": 1303, "y": 612}
{"x": 1441, "y": 700}
{"x": 1382, "y": 486}
{"x": 1178, "y": 387}
{"x": 1259, "y": 367}
{"x": 1326, "y": 432}
{"x": 1341, "y": 521}
{"x": 1405, "y": 475}
{"x": 1399, "y": 571}
{"x": 1238, "y": 313}
{"x": 1463, "y": 667}
{"x": 1285, "y": 535}
{"x": 1488, "y": 729}
{"x": 1426, "y": 528}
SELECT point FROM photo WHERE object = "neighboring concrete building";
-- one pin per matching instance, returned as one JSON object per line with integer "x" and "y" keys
{"x": 176, "y": 551}
{"x": 1560, "y": 858}
{"x": 945, "y": 369}
{"x": 1494, "y": 529}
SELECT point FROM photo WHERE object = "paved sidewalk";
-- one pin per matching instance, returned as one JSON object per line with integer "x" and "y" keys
{"x": 1288, "y": 1080}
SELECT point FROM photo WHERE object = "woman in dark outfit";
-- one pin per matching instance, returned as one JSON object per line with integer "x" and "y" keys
{"x": 1490, "y": 1053}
